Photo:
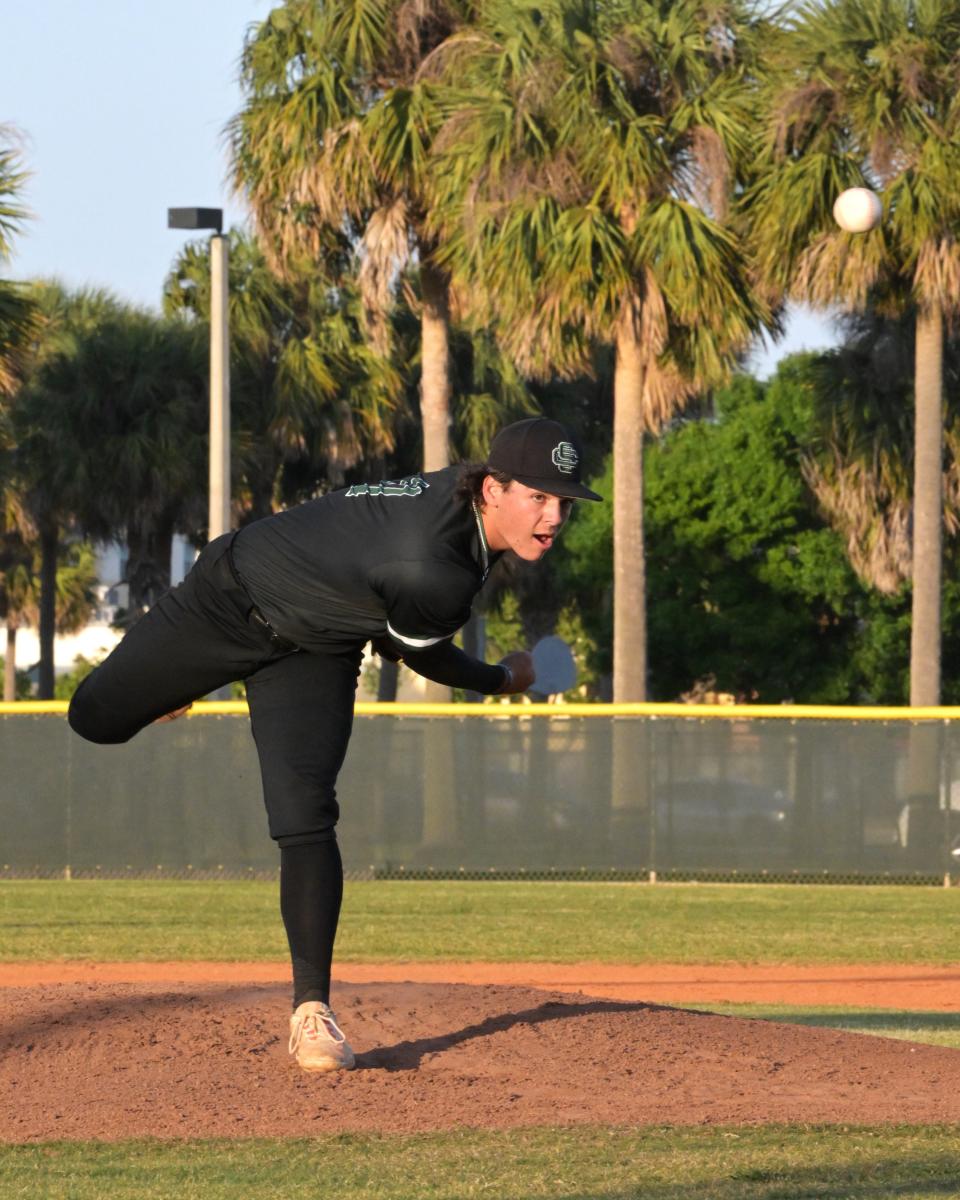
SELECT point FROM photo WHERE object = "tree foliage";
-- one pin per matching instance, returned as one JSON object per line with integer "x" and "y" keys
{"x": 16, "y": 311}
{"x": 866, "y": 93}
{"x": 310, "y": 399}
{"x": 750, "y": 589}
{"x": 110, "y": 422}
{"x": 584, "y": 171}
{"x": 332, "y": 146}
{"x": 861, "y": 464}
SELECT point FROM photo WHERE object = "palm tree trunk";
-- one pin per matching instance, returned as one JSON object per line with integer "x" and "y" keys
{"x": 927, "y": 511}
{"x": 435, "y": 392}
{"x": 10, "y": 662}
{"x": 435, "y": 368}
{"x": 148, "y": 565}
{"x": 630, "y": 813}
{"x": 629, "y": 566}
{"x": 49, "y": 539}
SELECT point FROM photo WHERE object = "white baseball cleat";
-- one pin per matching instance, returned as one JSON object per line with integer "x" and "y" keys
{"x": 317, "y": 1040}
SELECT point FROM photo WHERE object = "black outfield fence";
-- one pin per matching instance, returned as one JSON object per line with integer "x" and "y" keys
{"x": 507, "y": 792}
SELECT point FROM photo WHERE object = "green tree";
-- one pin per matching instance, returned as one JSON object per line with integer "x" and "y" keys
{"x": 116, "y": 424}
{"x": 310, "y": 398}
{"x": 12, "y": 180}
{"x": 16, "y": 327}
{"x": 109, "y": 423}
{"x": 860, "y": 465}
{"x": 69, "y": 681}
{"x": 332, "y": 148}
{"x": 16, "y": 311}
{"x": 738, "y": 578}
{"x": 584, "y": 172}
{"x": 867, "y": 94}
{"x": 20, "y": 599}
{"x": 33, "y": 511}
{"x": 15, "y": 568}
{"x": 750, "y": 590}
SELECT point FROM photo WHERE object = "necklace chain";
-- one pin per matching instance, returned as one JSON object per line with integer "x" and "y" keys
{"x": 484, "y": 548}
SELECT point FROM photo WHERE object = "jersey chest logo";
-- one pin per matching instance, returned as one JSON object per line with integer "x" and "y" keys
{"x": 412, "y": 485}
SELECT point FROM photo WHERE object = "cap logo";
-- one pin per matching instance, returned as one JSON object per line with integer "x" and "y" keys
{"x": 564, "y": 458}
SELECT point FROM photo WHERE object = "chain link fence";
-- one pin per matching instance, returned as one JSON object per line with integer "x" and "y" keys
{"x": 557, "y": 796}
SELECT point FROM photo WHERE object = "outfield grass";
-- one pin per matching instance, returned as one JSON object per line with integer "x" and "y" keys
{"x": 933, "y": 1028}
{"x": 499, "y": 922}
{"x": 770, "y": 1163}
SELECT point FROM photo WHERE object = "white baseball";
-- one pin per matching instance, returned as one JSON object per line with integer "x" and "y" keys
{"x": 857, "y": 209}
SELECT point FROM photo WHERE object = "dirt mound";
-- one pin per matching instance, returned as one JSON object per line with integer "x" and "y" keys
{"x": 107, "y": 1061}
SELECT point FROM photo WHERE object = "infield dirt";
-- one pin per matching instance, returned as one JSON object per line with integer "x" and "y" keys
{"x": 107, "y": 1060}
{"x": 869, "y": 985}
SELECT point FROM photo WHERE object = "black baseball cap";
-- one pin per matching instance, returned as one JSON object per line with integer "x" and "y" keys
{"x": 541, "y": 454}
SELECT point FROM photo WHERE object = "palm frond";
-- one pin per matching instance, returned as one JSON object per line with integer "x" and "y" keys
{"x": 13, "y": 178}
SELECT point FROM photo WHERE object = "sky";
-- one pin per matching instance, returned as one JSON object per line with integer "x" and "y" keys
{"x": 120, "y": 106}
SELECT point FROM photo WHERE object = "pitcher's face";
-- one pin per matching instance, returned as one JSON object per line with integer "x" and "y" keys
{"x": 521, "y": 518}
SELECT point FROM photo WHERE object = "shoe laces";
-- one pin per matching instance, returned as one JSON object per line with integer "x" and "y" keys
{"x": 311, "y": 1023}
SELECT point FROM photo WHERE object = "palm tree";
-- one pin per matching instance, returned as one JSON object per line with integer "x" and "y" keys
{"x": 16, "y": 330}
{"x": 309, "y": 397}
{"x": 116, "y": 425}
{"x": 109, "y": 423}
{"x": 859, "y": 464}
{"x": 20, "y": 598}
{"x": 867, "y": 94}
{"x": 12, "y": 180}
{"x": 332, "y": 150}
{"x": 16, "y": 311}
{"x": 32, "y": 510}
{"x": 584, "y": 171}
{"x": 14, "y": 555}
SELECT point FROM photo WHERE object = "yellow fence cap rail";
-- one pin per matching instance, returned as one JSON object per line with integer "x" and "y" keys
{"x": 497, "y": 710}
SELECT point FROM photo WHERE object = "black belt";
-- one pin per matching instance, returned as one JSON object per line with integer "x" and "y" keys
{"x": 254, "y": 615}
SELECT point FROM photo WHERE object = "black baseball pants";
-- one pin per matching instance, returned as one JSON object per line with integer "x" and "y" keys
{"x": 200, "y": 636}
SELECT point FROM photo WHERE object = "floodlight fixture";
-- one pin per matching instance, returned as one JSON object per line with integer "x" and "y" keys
{"x": 195, "y": 218}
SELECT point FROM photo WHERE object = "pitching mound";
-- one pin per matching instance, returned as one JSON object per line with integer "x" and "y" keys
{"x": 108, "y": 1061}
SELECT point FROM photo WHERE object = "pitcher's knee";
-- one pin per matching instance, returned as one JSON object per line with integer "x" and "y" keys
{"x": 95, "y": 723}
{"x": 286, "y": 840}
{"x": 301, "y": 812}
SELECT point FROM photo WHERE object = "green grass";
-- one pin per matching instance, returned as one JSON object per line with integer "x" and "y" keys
{"x": 546, "y": 922}
{"x": 933, "y": 1028}
{"x": 770, "y": 1163}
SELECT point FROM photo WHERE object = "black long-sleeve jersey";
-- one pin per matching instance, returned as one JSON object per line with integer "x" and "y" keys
{"x": 399, "y": 560}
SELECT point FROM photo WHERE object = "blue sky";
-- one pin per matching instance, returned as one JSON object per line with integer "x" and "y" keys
{"x": 121, "y": 106}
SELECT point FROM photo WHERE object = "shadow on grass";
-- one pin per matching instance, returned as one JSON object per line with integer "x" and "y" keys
{"x": 874, "y": 1184}
{"x": 853, "y": 1020}
{"x": 933, "y": 1021}
{"x": 877, "y": 1178}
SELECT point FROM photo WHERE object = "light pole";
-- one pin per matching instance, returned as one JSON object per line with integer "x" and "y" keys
{"x": 219, "y": 472}
{"x": 218, "y": 486}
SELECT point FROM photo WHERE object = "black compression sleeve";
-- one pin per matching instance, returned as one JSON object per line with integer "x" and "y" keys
{"x": 311, "y": 890}
{"x": 447, "y": 663}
